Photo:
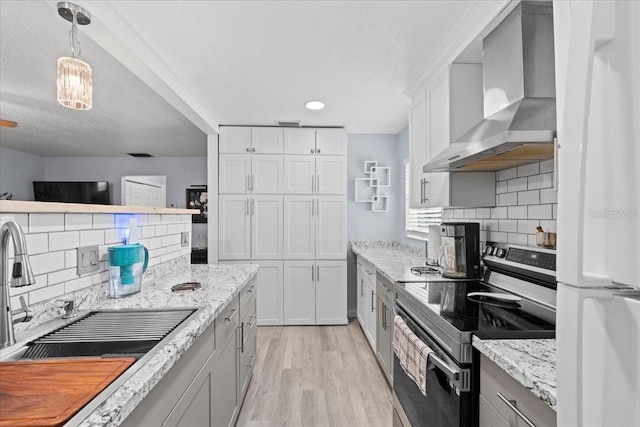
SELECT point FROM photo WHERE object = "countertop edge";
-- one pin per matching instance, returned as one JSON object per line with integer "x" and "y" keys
{"x": 20, "y": 206}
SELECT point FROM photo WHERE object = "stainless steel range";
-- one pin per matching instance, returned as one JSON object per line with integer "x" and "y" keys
{"x": 515, "y": 299}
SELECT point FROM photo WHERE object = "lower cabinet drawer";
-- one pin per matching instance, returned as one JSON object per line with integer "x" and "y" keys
{"x": 227, "y": 322}
{"x": 489, "y": 417}
{"x": 247, "y": 362}
{"x": 495, "y": 382}
{"x": 248, "y": 297}
{"x": 249, "y": 321}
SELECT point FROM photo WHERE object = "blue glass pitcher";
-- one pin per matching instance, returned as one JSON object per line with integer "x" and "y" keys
{"x": 127, "y": 264}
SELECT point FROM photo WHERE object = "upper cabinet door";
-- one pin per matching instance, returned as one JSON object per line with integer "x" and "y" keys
{"x": 235, "y": 139}
{"x": 234, "y": 228}
{"x": 267, "y": 174}
{"x": 331, "y": 142}
{"x": 299, "y": 174}
{"x": 418, "y": 149}
{"x": 331, "y": 175}
{"x": 267, "y": 140}
{"x": 299, "y": 227}
{"x": 331, "y": 227}
{"x": 436, "y": 190}
{"x": 266, "y": 227}
{"x": 234, "y": 173}
{"x": 300, "y": 141}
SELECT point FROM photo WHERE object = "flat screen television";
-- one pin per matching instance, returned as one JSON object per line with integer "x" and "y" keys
{"x": 72, "y": 192}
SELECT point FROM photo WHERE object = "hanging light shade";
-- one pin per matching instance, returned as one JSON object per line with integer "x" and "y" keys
{"x": 75, "y": 84}
{"x": 75, "y": 87}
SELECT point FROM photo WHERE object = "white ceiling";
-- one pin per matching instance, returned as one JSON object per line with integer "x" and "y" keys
{"x": 232, "y": 62}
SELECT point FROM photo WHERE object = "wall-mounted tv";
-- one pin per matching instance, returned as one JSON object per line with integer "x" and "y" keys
{"x": 72, "y": 192}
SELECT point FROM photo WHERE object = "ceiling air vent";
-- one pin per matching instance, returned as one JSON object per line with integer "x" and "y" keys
{"x": 140, "y": 154}
{"x": 289, "y": 124}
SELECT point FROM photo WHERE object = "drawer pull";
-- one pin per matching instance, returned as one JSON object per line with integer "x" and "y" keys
{"x": 232, "y": 315}
{"x": 250, "y": 290}
{"x": 252, "y": 360}
{"x": 253, "y": 320}
{"x": 512, "y": 405}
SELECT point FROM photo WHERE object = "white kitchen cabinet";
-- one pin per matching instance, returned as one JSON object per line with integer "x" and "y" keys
{"x": 270, "y": 293}
{"x": 234, "y": 227}
{"x": 259, "y": 140}
{"x": 250, "y": 227}
{"x": 315, "y": 227}
{"x": 331, "y": 227}
{"x": 315, "y": 175}
{"x": 325, "y": 141}
{"x": 449, "y": 105}
{"x": 331, "y": 292}
{"x": 246, "y": 173}
{"x": 367, "y": 301}
{"x": 315, "y": 292}
{"x": 299, "y": 227}
{"x": 299, "y": 293}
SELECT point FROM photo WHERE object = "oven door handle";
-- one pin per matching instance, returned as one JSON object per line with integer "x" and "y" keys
{"x": 452, "y": 374}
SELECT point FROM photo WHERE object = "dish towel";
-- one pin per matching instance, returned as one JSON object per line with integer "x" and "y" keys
{"x": 412, "y": 353}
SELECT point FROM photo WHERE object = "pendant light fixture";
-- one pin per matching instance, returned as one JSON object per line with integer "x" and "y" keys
{"x": 75, "y": 87}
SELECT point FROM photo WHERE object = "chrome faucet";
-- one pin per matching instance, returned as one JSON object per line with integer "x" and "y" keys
{"x": 21, "y": 275}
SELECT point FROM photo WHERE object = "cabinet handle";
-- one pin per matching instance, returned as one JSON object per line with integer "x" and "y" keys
{"x": 253, "y": 181}
{"x": 250, "y": 290}
{"x": 313, "y": 272}
{"x": 253, "y": 149}
{"x": 313, "y": 184}
{"x": 421, "y": 190}
{"x": 512, "y": 405}
{"x": 253, "y": 206}
{"x": 318, "y": 207}
{"x": 318, "y": 184}
{"x": 373, "y": 304}
{"x": 313, "y": 207}
{"x": 252, "y": 360}
{"x": 318, "y": 273}
{"x": 248, "y": 150}
{"x": 232, "y": 315}
{"x": 313, "y": 151}
{"x": 241, "y": 347}
{"x": 318, "y": 151}
{"x": 253, "y": 320}
{"x": 246, "y": 203}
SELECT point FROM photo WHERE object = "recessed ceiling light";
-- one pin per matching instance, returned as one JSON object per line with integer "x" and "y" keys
{"x": 314, "y": 105}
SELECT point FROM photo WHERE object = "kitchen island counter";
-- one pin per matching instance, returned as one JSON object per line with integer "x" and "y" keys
{"x": 220, "y": 284}
{"x": 532, "y": 363}
{"x": 392, "y": 259}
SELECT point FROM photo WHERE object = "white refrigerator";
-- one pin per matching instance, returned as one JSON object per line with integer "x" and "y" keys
{"x": 598, "y": 307}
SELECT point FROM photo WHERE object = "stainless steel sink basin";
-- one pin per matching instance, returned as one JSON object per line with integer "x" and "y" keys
{"x": 138, "y": 333}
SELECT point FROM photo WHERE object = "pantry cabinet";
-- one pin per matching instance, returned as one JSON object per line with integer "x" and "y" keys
{"x": 270, "y": 293}
{"x": 327, "y": 142}
{"x": 449, "y": 105}
{"x": 246, "y": 173}
{"x": 259, "y": 140}
{"x": 315, "y": 175}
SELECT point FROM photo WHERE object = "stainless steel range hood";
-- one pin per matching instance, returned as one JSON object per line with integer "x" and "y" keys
{"x": 519, "y": 97}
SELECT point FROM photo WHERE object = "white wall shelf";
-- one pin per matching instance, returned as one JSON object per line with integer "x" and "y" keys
{"x": 367, "y": 190}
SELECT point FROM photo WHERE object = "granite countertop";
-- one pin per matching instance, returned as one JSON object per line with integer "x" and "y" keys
{"x": 530, "y": 362}
{"x": 220, "y": 283}
{"x": 391, "y": 259}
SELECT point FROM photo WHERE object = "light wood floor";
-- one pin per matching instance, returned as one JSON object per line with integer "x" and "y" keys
{"x": 316, "y": 376}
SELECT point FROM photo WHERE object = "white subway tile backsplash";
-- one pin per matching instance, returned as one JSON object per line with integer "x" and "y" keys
{"x": 517, "y": 212}
{"x": 497, "y": 236}
{"x": 179, "y": 228}
{"x": 458, "y": 213}
{"x": 114, "y": 236}
{"x": 161, "y": 230}
{"x": 468, "y": 214}
{"x": 77, "y": 284}
{"x": 21, "y": 219}
{"x": 491, "y": 225}
{"x": 546, "y": 166}
{"x": 508, "y": 225}
{"x": 172, "y": 239}
{"x": 517, "y": 239}
{"x": 483, "y": 213}
{"x": 506, "y": 174}
{"x": 62, "y": 276}
{"x": 168, "y": 219}
{"x": 447, "y": 213}
{"x": 548, "y": 195}
{"x": 527, "y": 226}
{"x": 508, "y": 199}
{"x": 531, "y": 197}
{"x": 548, "y": 225}
{"x": 78, "y": 222}
{"x": 154, "y": 219}
{"x": 531, "y": 240}
{"x": 64, "y": 240}
{"x": 46, "y": 293}
{"x": 47, "y": 262}
{"x": 92, "y": 237}
{"x": 540, "y": 181}
{"x": 518, "y": 184}
{"x": 142, "y": 219}
{"x": 501, "y": 187}
{"x": 499, "y": 212}
{"x": 124, "y": 220}
{"x": 540, "y": 212}
{"x": 155, "y": 242}
{"x": 71, "y": 258}
{"x": 101, "y": 277}
{"x": 37, "y": 243}
{"x": 104, "y": 220}
{"x": 530, "y": 169}
{"x": 44, "y": 223}
{"x": 148, "y": 231}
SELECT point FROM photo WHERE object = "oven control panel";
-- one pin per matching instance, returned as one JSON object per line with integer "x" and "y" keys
{"x": 520, "y": 256}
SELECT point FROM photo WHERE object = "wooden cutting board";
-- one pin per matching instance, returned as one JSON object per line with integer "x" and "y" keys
{"x": 49, "y": 392}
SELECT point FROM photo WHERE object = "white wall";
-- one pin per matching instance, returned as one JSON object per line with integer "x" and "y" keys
{"x": 17, "y": 171}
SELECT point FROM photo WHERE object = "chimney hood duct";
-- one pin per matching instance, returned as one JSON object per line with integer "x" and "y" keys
{"x": 519, "y": 97}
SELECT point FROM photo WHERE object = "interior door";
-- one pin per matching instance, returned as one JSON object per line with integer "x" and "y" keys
{"x": 234, "y": 171}
{"x": 267, "y": 221}
{"x": 270, "y": 293}
{"x": 299, "y": 227}
{"x": 299, "y": 174}
{"x": 234, "y": 227}
{"x": 331, "y": 292}
{"x": 299, "y": 293}
{"x": 267, "y": 140}
{"x": 300, "y": 141}
{"x": 267, "y": 174}
{"x": 331, "y": 227}
{"x": 331, "y": 175}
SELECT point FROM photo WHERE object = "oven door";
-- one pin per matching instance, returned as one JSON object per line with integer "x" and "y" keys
{"x": 448, "y": 402}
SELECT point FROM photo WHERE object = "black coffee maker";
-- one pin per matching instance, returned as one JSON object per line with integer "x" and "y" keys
{"x": 461, "y": 250}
